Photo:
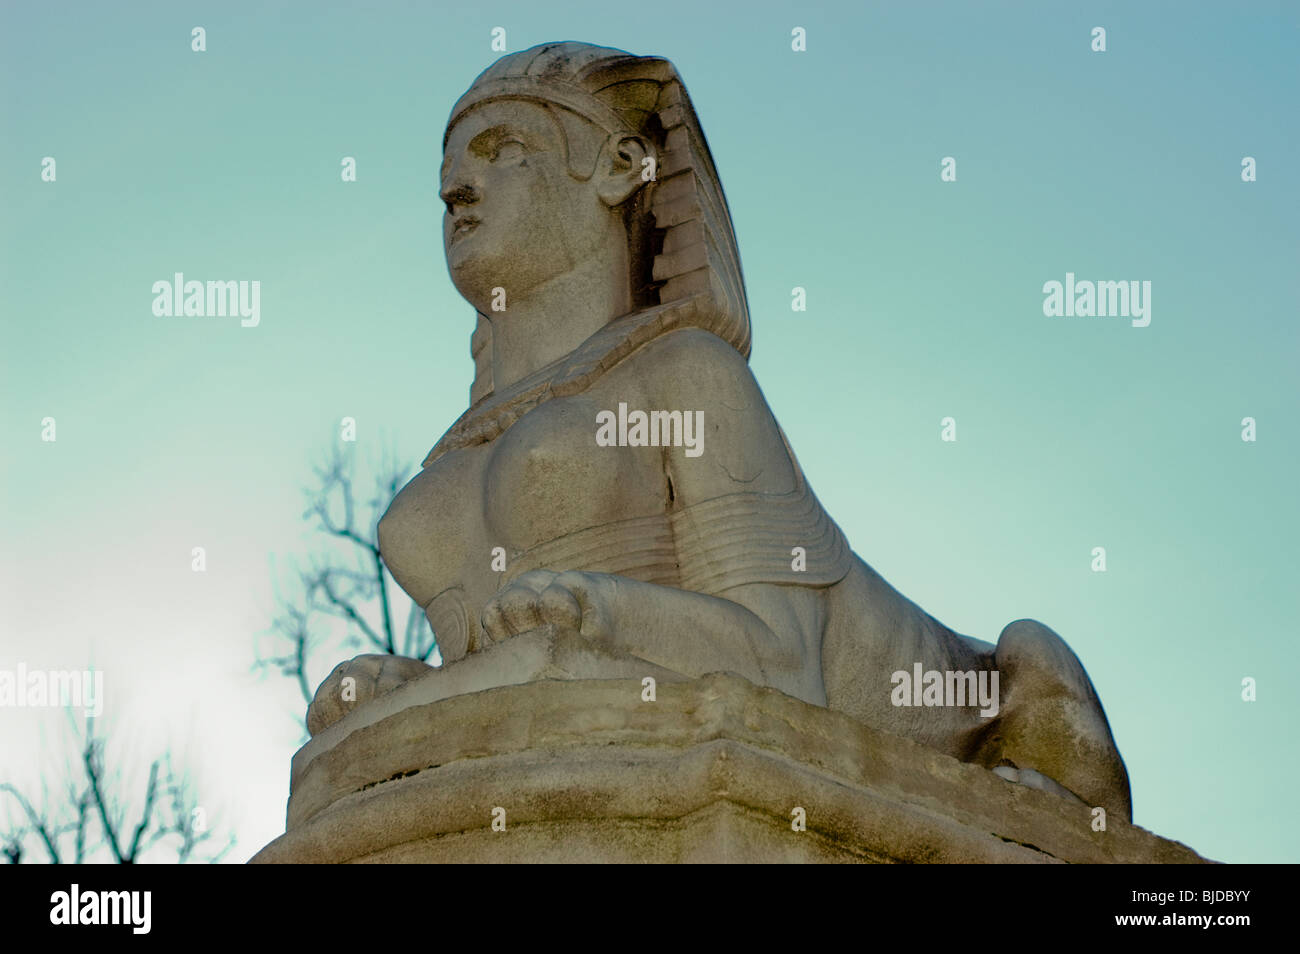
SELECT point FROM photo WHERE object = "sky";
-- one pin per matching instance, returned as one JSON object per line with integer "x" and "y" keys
{"x": 924, "y": 301}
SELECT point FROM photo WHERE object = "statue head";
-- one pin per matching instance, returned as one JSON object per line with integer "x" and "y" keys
{"x": 584, "y": 168}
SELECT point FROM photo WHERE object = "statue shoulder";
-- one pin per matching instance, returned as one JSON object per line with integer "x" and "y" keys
{"x": 698, "y": 367}
{"x": 689, "y": 345}
{"x": 738, "y": 446}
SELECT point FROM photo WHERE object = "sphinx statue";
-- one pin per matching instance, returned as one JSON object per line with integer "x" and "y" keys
{"x": 586, "y": 224}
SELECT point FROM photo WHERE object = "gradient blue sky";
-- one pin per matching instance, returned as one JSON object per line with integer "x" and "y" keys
{"x": 924, "y": 301}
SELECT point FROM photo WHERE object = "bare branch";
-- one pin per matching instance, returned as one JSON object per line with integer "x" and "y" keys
{"x": 411, "y": 633}
{"x": 91, "y": 757}
{"x": 428, "y": 651}
{"x": 349, "y": 583}
{"x": 348, "y": 611}
{"x": 336, "y": 475}
{"x": 164, "y": 812}
{"x": 145, "y": 814}
{"x": 83, "y": 813}
{"x": 385, "y": 609}
{"x": 293, "y": 626}
{"x": 222, "y": 853}
{"x": 39, "y": 824}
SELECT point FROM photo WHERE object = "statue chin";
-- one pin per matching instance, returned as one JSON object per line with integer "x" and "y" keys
{"x": 470, "y": 273}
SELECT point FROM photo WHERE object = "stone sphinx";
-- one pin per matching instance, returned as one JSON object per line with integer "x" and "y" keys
{"x": 586, "y": 223}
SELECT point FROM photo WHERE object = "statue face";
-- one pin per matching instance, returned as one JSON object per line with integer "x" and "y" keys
{"x": 515, "y": 218}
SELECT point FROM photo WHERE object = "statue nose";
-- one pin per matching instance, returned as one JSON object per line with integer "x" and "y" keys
{"x": 458, "y": 194}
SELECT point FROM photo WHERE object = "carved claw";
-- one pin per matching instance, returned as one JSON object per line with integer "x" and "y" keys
{"x": 356, "y": 681}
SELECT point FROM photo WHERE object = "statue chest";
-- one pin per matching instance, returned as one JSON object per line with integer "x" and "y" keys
{"x": 543, "y": 495}
{"x": 547, "y": 477}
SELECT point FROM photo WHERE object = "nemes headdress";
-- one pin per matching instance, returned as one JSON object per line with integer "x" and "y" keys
{"x": 696, "y": 270}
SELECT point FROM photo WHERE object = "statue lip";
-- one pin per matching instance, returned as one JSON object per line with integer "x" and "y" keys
{"x": 463, "y": 226}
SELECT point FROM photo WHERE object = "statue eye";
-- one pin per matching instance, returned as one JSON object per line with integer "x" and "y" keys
{"x": 508, "y": 150}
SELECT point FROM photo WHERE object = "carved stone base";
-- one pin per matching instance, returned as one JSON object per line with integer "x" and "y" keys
{"x": 712, "y": 771}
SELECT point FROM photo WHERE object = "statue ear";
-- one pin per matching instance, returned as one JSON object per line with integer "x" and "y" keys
{"x": 619, "y": 172}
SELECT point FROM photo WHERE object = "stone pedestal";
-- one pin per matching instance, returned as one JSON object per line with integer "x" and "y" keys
{"x": 713, "y": 770}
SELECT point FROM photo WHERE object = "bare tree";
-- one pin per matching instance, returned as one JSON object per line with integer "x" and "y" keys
{"x": 94, "y": 819}
{"x": 345, "y": 596}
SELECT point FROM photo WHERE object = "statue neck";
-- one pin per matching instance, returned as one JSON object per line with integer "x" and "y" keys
{"x": 554, "y": 319}
{"x": 494, "y": 411}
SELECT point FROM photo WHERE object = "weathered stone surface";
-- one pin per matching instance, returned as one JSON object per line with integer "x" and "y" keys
{"x": 587, "y": 226}
{"x": 710, "y": 771}
{"x": 560, "y": 559}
